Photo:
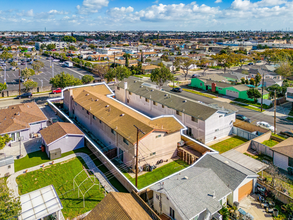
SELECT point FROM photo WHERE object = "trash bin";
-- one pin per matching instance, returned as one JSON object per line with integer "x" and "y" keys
{"x": 275, "y": 212}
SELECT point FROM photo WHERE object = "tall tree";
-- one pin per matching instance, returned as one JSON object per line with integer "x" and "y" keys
{"x": 110, "y": 75}
{"x": 4, "y": 140}
{"x": 126, "y": 56}
{"x": 87, "y": 79}
{"x": 257, "y": 79}
{"x": 101, "y": 69}
{"x": 5, "y": 55}
{"x": 26, "y": 73}
{"x": 30, "y": 84}
{"x": 253, "y": 94}
{"x": 285, "y": 69}
{"x": 70, "y": 39}
{"x": 63, "y": 80}
{"x": 122, "y": 72}
{"x": 10, "y": 206}
{"x": 3, "y": 86}
{"x": 37, "y": 65}
{"x": 161, "y": 75}
{"x": 184, "y": 64}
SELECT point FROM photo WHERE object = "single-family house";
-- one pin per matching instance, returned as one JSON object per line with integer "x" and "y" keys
{"x": 22, "y": 120}
{"x": 203, "y": 122}
{"x": 283, "y": 154}
{"x": 237, "y": 91}
{"x": 115, "y": 125}
{"x": 62, "y": 135}
{"x": 122, "y": 206}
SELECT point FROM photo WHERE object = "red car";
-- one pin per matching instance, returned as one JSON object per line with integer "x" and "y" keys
{"x": 57, "y": 91}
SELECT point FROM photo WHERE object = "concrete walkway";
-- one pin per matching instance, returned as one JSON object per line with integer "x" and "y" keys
{"x": 12, "y": 185}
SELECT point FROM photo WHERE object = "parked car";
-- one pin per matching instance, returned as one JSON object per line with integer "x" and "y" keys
{"x": 12, "y": 68}
{"x": 250, "y": 64}
{"x": 57, "y": 91}
{"x": 194, "y": 76}
{"x": 265, "y": 125}
{"x": 287, "y": 133}
{"x": 243, "y": 118}
{"x": 23, "y": 63}
{"x": 177, "y": 89}
{"x": 25, "y": 95}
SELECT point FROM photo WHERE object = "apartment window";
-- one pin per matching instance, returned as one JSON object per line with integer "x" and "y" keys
{"x": 94, "y": 117}
{"x": 178, "y": 113}
{"x": 125, "y": 141}
{"x": 163, "y": 106}
{"x": 118, "y": 88}
{"x": 158, "y": 136}
{"x": 82, "y": 108}
{"x": 100, "y": 122}
{"x": 172, "y": 213}
{"x": 129, "y": 93}
{"x": 15, "y": 136}
{"x": 193, "y": 118}
{"x": 88, "y": 112}
{"x": 216, "y": 130}
{"x": 153, "y": 153}
{"x": 113, "y": 132}
{"x": 146, "y": 100}
{"x": 154, "y": 103}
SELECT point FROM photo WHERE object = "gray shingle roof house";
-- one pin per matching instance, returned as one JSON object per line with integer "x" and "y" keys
{"x": 199, "y": 191}
{"x": 195, "y": 192}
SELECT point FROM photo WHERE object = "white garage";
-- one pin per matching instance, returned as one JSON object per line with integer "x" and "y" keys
{"x": 232, "y": 93}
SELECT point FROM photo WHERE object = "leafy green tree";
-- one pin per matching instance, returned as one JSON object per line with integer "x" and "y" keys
{"x": 37, "y": 65}
{"x": 10, "y": 206}
{"x": 30, "y": 84}
{"x": 280, "y": 90}
{"x": 70, "y": 39}
{"x": 184, "y": 64}
{"x": 3, "y": 86}
{"x": 51, "y": 46}
{"x": 225, "y": 213}
{"x": 246, "y": 81}
{"x": 88, "y": 64}
{"x": 63, "y": 80}
{"x": 72, "y": 48}
{"x": 285, "y": 69}
{"x": 27, "y": 73}
{"x": 3, "y": 141}
{"x": 110, "y": 75}
{"x": 253, "y": 93}
{"x": 257, "y": 79}
{"x": 242, "y": 80}
{"x": 252, "y": 81}
{"x": 13, "y": 64}
{"x": 122, "y": 72}
{"x": 87, "y": 79}
{"x": 126, "y": 56}
{"x": 92, "y": 46}
{"x": 5, "y": 55}
{"x": 161, "y": 75}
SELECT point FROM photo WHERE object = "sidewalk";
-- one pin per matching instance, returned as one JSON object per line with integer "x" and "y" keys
{"x": 12, "y": 185}
{"x": 282, "y": 110}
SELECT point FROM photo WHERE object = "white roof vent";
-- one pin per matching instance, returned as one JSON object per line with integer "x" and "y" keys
{"x": 227, "y": 162}
{"x": 107, "y": 106}
{"x": 122, "y": 115}
{"x": 97, "y": 100}
{"x": 185, "y": 100}
{"x": 87, "y": 94}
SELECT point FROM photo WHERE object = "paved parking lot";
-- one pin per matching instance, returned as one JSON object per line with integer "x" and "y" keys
{"x": 43, "y": 78}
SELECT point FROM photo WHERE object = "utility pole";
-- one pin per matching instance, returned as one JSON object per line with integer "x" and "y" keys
{"x": 53, "y": 70}
{"x": 262, "y": 84}
{"x": 136, "y": 163}
{"x": 114, "y": 59}
{"x": 275, "y": 113}
{"x": 19, "y": 81}
{"x": 4, "y": 74}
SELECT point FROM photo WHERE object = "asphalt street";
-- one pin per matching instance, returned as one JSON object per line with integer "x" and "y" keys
{"x": 43, "y": 78}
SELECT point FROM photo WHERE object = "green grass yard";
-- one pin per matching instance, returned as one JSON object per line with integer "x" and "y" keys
{"x": 199, "y": 93}
{"x": 39, "y": 157}
{"x": 270, "y": 143}
{"x": 289, "y": 118}
{"x": 228, "y": 144}
{"x": 157, "y": 174}
{"x": 252, "y": 103}
{"x": 245, "y": 106}
{"x": 61, "y": 177}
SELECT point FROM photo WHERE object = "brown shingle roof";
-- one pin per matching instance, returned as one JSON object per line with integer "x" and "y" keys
{"x": 118, "y": 206}
{"x": 285, "y": 147}
{"x": 120, "y": 117}
{"x": 58, "y": 130}
{"x": 18, "y": 117}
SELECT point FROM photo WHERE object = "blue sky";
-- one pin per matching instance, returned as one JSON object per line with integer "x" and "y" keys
{"x": 79, "y": 15}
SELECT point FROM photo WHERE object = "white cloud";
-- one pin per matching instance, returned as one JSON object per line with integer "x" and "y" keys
{"x": 241, "y": 4}
{"x": 218, "y": 1}
{"x": 30, "y": 13}
{"x": 91, "y": 6}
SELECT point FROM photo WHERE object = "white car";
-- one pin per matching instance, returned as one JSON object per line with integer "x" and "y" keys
{"x": 265, "y": 125}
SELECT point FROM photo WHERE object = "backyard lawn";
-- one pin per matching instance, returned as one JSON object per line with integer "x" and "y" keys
{"x": 61, "y": 177}
{"x": 157, "y": 174}
{"x": 228, "y": 144}
{"x": 39, "y": 157}
{"x": 270, "y": 143}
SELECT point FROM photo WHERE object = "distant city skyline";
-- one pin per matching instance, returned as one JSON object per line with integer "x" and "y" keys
{"x": 182, "y": 15}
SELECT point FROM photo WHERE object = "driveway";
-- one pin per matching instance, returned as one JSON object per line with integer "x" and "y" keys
{"x": 251, "y": 205}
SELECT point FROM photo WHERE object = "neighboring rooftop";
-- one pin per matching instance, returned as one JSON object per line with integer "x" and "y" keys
{"x": 19, "y": 117}
{"x": 120, "y": 206}
{"x": 193, "y": 191}
{"x": 231, "y": 173}
{"x": 285, "y": 147}
{"x": 58, "y": 130}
